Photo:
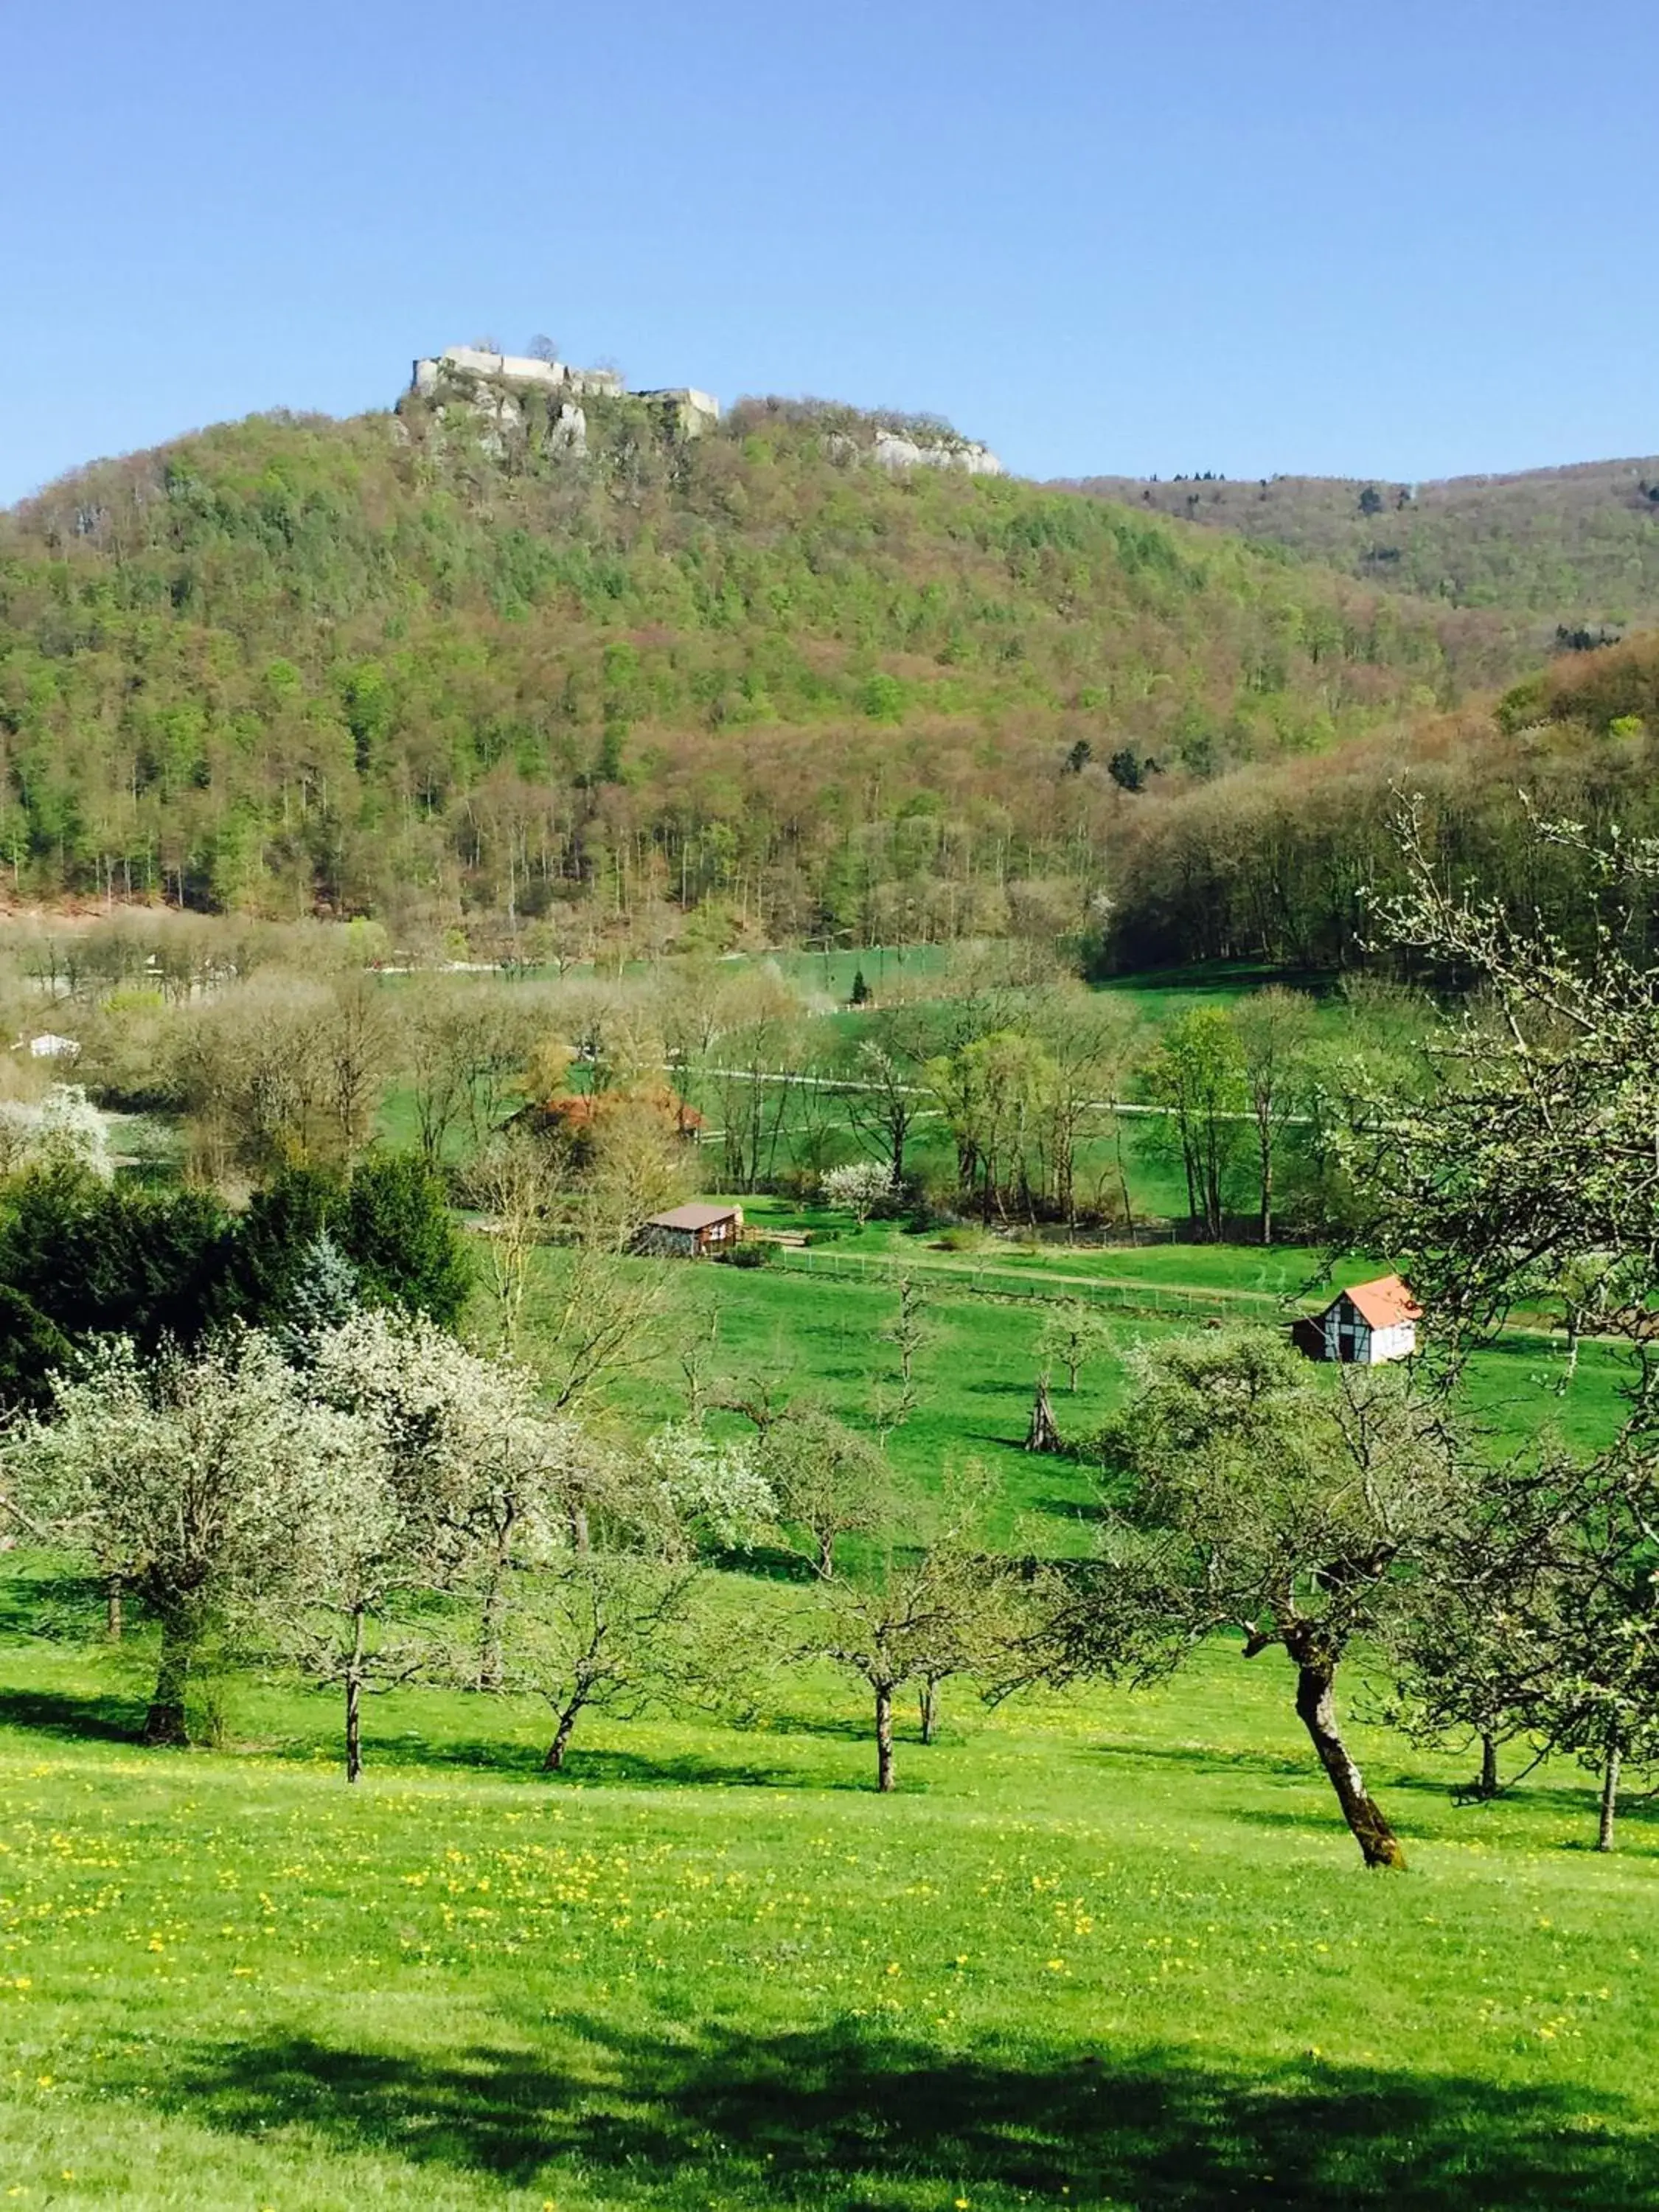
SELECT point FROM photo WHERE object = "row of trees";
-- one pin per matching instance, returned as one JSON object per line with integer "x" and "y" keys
{"x": 85, "y": 1258}
{"x": 354, "y": 1495}
{"x": 1020, "y": 1070}
{"x": 1038, "y": 1087}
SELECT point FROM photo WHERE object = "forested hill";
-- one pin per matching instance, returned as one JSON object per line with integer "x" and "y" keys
{"x": 1578, "y": 548}
{"x": 1282, "y": 862}
{"x": 682, "y": 690}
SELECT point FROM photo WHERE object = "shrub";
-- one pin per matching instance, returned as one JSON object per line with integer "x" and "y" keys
{"x": 747, "y": 1255}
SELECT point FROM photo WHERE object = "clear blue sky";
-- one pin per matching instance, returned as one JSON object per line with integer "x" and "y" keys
{"x": 1407, "y": 239}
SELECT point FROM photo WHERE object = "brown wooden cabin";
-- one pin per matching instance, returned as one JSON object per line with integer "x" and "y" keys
{"x": 697, "y": 1231}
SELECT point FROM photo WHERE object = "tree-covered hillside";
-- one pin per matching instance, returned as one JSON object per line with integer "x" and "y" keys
{"x": 742, "y": 686}
{"x": 1577, "y": 548}
{"x": 1285, "y": 861}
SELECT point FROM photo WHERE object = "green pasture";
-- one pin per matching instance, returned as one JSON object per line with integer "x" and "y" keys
{"x": 1103, "y": 1951}
{"x": 805, "y": 1329}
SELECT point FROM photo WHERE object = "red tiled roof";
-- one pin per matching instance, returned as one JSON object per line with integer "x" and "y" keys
{"x": 578, "y": 1109}
{"x": 1384, "y": 1303}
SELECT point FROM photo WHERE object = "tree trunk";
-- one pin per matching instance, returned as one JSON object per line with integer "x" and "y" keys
{"x": 354, "y": 1696}
{"x": 112, "y": 1621}
{"x": 1042, "y": 1436}
{"x": 929, "y": 1703}
{"x": 1315, "y": 1704}
{"x": 353, "y": 1735}
{"x": 491, "y": 1621}
{"x": 826, "y": 1554}
{"x": 1609, "y": 1799}
{"x": 1267, "y": 1183}
{"x": 1123, "y": 1180}
{"x": 554, "y": 1762}
{"x": 884, "y": 1737}
{"x": 1488, "y": 1782}
{"x": 165, "y": 1723}
{"x": 1190, "y": 1164}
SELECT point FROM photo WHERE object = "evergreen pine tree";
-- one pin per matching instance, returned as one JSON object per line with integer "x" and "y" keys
{"x": 323, "y": 1295}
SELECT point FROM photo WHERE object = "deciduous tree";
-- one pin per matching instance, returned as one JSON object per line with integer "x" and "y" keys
{"x": 1244, "y": 1493}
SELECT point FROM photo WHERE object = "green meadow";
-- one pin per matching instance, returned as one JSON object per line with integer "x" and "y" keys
{"x": 812, "y": 1324}
{"x": 1106, "y": 1950}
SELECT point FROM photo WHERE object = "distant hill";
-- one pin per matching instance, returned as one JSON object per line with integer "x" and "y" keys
{"x": 742, "y": 686}
{"x": 1577, "y": 548}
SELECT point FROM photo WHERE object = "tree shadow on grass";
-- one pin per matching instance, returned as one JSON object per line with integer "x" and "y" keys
{"x": 627, "y": 1769}
{"x": 76, "y": 1719}
{"x": 833, "y": 2119}
{"x": 56, "y": 1600}
{"x": 1209, "y": 1756}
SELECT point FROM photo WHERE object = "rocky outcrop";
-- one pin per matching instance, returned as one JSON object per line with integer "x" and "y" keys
{"x": 914, "y": 449}
{"x": 918, "y": 449}
{"x": 504, "y": 396}
{"x": 688, "y": 411}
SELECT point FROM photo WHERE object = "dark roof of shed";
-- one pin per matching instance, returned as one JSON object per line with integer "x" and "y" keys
{"x": 692, "y": 1217}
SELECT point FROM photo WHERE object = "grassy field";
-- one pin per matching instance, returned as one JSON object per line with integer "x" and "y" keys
{"x": 1106, "y": 1950}
{"x": 811, "y": 1332}
{"x": 1103, "y": 1952}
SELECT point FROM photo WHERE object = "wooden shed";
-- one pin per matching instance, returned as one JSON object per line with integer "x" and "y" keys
{"x": 691, "y": 1232}
{"x": 1364, "y": 1326}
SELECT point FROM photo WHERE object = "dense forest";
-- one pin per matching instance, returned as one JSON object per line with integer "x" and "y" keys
{"x": 740, "y": 689}
{"x": 1577, "y": 548}
{"x": 1285, "y": 862}
{"x": 748, "y": 689}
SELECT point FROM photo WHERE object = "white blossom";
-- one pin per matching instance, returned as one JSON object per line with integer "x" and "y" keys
{"x": 63, "y": 1129}
{"x": 858, "y": 1187}
{"x": 713, "y": 1482}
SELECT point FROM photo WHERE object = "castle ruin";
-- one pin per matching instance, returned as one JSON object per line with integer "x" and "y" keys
{"x": 693, "y": 411}
{"x": 493, "y": 386}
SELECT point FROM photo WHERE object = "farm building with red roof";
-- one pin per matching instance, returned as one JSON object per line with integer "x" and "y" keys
{"x": 1364, "y": 1326}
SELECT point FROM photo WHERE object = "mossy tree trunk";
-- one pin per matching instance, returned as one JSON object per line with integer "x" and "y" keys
{"x": 1487, "y": 1784}
{"x": 1316, "y": 1706}
{"x": 165, "y": 1723}
{"x": 884, "y": 1737}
